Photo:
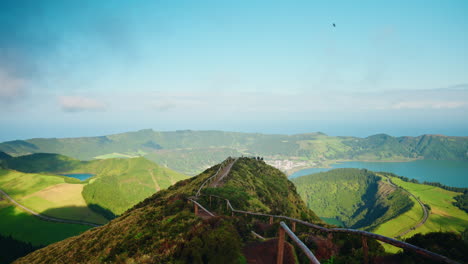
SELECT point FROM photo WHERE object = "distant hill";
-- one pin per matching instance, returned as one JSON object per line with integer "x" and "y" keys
{"x": 4, "y": 156}
{"x": 358, "y": 198}
{"x": 190, "y": 152}
{"x": 163, "y": 228}
{"x": 117, "y": 185}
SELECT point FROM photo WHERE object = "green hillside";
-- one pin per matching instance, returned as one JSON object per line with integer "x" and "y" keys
{"x": 4, "y": 156}
{"x": 121, "y": 183}
{"x": 49, "y": 195}
{"x": 357, "y": 198}
{"x": 163, "y": 228}
{"x": 117, "y": 185}
{"x": 202, "y": 149}
{"x": 443, "y": 214}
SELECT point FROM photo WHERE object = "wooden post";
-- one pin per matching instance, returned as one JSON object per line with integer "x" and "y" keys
{"x": 365, "y": 249}
{"x": 210, "y": 201}
{"x": 196, "y": 209}
{"x": 279, "y": 260}
{"x": 271, "y": 220}
{"x": 227, "y": 206}
{"x": 293, "y": 224}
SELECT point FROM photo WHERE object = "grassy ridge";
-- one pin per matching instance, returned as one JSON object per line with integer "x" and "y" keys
{"x": 358, "y": 198}
{"x": 264, "y": 189}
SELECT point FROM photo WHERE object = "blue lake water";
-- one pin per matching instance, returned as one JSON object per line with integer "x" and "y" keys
{"x": 80, "y": 176}
{"x": 448, "y": 172}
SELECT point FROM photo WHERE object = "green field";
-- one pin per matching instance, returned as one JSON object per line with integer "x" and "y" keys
{"x": 444, "y": 216}
{"x": 25, "y": 227}
{"x": 49, "y": 195}
{"x": 402, "y": 222}
{"x": 18, "y": 184}
{"x": 117, "y": 184}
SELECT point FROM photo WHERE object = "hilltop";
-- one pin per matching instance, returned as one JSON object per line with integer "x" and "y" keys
{"x": 163, "y": 228}
{"x": 201, "y": 149}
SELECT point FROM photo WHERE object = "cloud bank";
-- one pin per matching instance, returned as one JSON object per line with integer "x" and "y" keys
{"x": 11, "y": 88}
{"x": 80, "y": 104}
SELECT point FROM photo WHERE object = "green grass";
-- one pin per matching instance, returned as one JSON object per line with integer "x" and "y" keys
{"x": 358, "y": 198}
{"x": 19, "y": 184}
{"x": 49, "y": 195}
{"x": 121, "y": 183}
{"x": 444, "y": 216}
{"x": 402, "y": 222}
{"x": 118, "y": 184}
{"x": 25, "y": 227}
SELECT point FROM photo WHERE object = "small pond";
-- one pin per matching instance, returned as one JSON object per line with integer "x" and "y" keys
{"x": 79, "y": 176}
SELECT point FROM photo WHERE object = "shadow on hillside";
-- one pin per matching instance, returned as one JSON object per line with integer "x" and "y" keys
{"x": 108, "y": 214}
{"x": 75, "y": 213}
{"x": 370, "y": 210}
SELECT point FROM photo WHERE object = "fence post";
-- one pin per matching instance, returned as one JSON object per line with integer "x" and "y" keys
{"x": 365, "y": 249}
{"x": 293, "y": 224}
{"x": 279, "y": 260}
{"x": 196, "y": 209}
{"x": 210, "y": 201}
{"x": 271, "y": 220}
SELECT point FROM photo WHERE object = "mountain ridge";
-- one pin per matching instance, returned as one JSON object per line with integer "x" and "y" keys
{"x": 202, "y": 149}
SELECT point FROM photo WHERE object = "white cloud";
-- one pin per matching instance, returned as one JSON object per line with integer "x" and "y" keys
{"x": 79, "y": 104}
{"x": 163, "y": 106}
{"x": 11, "y": 88}
{"x": 429, "y": 105}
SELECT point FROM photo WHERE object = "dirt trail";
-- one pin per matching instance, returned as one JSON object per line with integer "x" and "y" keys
{"x": 222, "y": 174}
{"x": 266, "y": 252}
{"x": 156, "y": 185}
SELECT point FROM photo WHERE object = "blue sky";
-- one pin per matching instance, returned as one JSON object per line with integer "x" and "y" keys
{"x": 84, "y": 68}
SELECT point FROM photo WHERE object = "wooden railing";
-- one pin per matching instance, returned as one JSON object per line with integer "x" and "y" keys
{"x": 211, "y": 178}
{"x": 198, "y": 205}
{"x": 284, "y": 229}
{"x": 364, "y": 234}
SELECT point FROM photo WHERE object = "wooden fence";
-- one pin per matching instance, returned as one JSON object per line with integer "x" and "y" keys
{"x": 364, "y": 234}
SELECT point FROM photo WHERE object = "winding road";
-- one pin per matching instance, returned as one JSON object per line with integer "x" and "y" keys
{"x": 426, "y": 213}
{"x": 47, "y": 218}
